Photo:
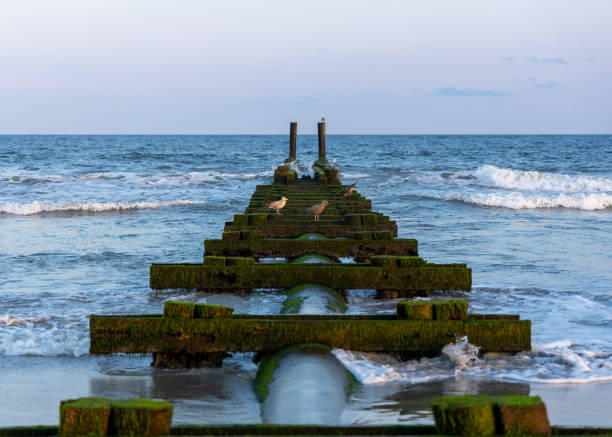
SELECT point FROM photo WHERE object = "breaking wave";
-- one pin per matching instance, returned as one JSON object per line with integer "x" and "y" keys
{"x": 493, "y": 176}
{"x": 562, "y": 362}
{"x": 190, "y": 178}
{"x": 44, "y": 336}
{"x": 516, "y": 200}
{"x": 38, "y": 207}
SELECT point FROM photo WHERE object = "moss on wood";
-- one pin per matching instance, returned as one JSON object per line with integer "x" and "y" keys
{"x": 84, "y": 417}
{"x": 522, "y": 415}
{"x": 469, "y": 415}
{"x": 294, "y": 230}
{"x": 240, "y": 333}
{"x": 450, "y": 309}
{"x": 209, "y": 311}
{"x": 251, "y": 235}
{"x": 178, "y": 309}
{"x": 290, "y": 248}
{"x": 228, "y": 261}
{"x": 410, "y": 280}
{"x": 352, "y": 219}
{"x": 140, "y": 417}
{"x": 415, "y": 310}
{"x": 234, "y": 235}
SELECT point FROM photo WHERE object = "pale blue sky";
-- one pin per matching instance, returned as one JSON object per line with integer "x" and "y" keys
{"x": 177, "y": 66}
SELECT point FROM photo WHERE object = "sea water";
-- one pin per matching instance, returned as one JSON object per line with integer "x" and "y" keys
{"x": 83, "y": 217}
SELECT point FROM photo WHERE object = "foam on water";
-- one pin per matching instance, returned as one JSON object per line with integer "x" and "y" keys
{"x": 44, "y": 335}
{"x": 561, "y": 362}
{"x": 514, "y": 200}
{"x": 491, "y": 175}
{"x": 493, "y": 186}
{"x": 37, "y": 207}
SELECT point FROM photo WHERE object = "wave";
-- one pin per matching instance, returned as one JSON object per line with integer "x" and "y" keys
{"x": 562, "y": 362}
{"x": 497, "y": 177}
{"x": 44, "y": 335}
{"x": 189, "y": 178}
{"x": 584, "y": 201}
{"x": 348, "y": 175}
{"x": 38, "y": 207}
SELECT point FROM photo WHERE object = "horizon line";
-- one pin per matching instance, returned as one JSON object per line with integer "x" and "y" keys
{"x": 303, "y": 134}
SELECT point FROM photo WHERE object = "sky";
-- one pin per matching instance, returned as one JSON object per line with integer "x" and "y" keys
{"x": 251, "y": 67}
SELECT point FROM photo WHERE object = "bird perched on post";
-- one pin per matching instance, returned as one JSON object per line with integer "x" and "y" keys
{"x": 349, "y": 190}
{"x": 277, "y": 204}
{"x": 316, "y": 209}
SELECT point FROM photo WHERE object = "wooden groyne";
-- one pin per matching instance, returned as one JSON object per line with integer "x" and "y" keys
{"x": 345, "y": 227}
{"x": 199, "y": 330}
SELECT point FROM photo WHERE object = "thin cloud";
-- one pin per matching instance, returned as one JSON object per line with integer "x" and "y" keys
{"x": 558, "y": 61}
{"x": 549, "y": 84}
{"x": 307, "y": 100}
{"x": 468, "y": 92}
{"x": 369, "y": 92}
{"x": 507, "y": 59}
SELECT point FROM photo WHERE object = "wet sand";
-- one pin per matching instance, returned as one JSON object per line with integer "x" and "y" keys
{"x": 33, "y": 386}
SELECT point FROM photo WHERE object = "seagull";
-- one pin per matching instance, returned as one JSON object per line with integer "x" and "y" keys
{"x": 349, "y": 190}
{"x": 316, "y": 209}
{"x": 277, "y": 204}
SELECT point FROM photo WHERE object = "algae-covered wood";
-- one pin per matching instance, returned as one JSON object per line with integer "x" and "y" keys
{"x": 409, "y": 280}
{"x": 361, "y": 250}
{"x": 142, "y": 334}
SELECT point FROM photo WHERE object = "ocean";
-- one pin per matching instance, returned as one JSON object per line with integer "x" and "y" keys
{"x": 82, "y": 218}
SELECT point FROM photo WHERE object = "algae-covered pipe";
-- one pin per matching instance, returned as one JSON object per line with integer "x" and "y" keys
{"x": 313, "y": 298}
{"x": 303, "y": 384}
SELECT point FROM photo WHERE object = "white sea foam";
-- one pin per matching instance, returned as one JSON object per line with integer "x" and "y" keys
{"x": 44, "y": 335}
{"x": 176, "y": 179}
{"x": 517, "y": 200}
{"x": 37, "y": 207}
{"x": 562, "y": 362}
{"x": 355, "y": 175}
{"x": 493, "y": 176}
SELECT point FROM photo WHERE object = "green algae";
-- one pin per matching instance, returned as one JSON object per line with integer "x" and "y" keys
{"x": 190, "y": 310}
{"x": 239, "y": 333}
{"x": 432, "y": 310}
{"x": 409, "y": 280}
{"x": 415, "y": 310}
{"x": 522, "y": 415}
{"x": 335, "y": 301}
{"x": 228, "y": 261}
{"x": 173, "y": 308}
{"x": 140, "y": 417}
{"x": 84, "y": 417}
{"x": 210, "y": 311}
{"x": 311, "y": 236}
{"x": 450, "y": 309}
{"x": 269, "y": 364}
{"x": 471, "y": 415}
{"x": 294, "y": 230}
{"x": 310, "y": 258}
{"x": 291, "y": 248}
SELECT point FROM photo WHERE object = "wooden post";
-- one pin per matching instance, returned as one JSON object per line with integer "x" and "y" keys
{"x": 292, "y": 140}
{"x": 322, "y": 157}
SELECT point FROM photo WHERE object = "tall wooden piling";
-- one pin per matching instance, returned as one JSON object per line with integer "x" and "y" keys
{"x": 321, "y": 132}
{"x": 292, "y": 141}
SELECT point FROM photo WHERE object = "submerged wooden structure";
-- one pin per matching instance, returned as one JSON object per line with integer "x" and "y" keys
{"x": 347, "y": 228}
